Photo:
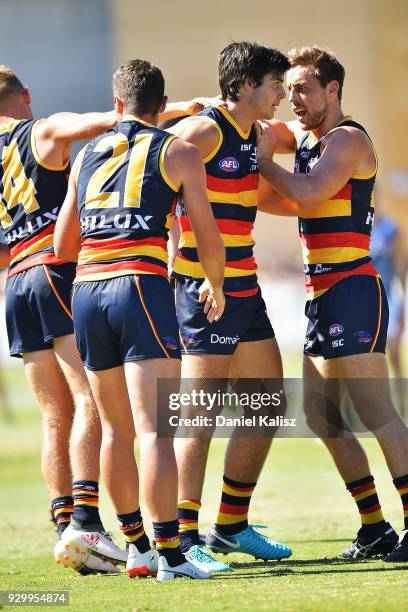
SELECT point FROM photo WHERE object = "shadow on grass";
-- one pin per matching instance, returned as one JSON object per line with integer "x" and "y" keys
{"x": 289, "y": 568}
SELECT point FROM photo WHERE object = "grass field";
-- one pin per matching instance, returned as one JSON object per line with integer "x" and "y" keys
{"x": 299, "y": 496}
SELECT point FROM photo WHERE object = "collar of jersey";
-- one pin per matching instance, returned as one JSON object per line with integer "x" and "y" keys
{"x": 232, "y": 121}
{"x": 134, "y": 118}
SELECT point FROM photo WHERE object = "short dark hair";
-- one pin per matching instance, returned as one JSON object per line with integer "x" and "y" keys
{"x": 10, "y": 84}
{"x": 246, "y": 60}
{"x": 140, "y": 86}
{"x": 326, "y": 67}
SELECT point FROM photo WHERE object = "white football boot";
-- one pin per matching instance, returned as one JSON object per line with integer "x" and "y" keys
{"x": 184, "y": 570}
{"x": 141, "y": 564}
{"x": 100, "y": 544}
{"x": 82, "y": 561}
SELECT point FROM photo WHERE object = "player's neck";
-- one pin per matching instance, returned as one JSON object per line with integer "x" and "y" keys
{"x": 7, "y": 114}
{"x": 147, "y": 118}
{"x": 333, "y": 118}
{"x": 242, "y": 114}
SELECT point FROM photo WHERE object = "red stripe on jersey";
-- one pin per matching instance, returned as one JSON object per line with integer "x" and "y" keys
{"x": 27, "y": 243}
{"x": 225, "y": 226}
{"x": 131, "y": 265}
{"x": 36, "y": 260}
{"x": 343, "y": 194}
{"x": 242, "y": 264}
{"x": 244, "y": 293}
{"x": 335, "y": 239}
{"x": 121, "y": 243}
{"x": 236, "y": 185}
{"x": 325, "y": 281}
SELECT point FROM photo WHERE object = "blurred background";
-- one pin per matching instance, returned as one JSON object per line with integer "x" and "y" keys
{"x": 66, "y": 51}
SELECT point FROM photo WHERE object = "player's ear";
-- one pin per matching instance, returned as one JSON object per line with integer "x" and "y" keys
{"x": 26, "y": 96}
{"x": 163, "y": 104}
{"x": 118, "y": 105}
{"x": 333, "y": 88}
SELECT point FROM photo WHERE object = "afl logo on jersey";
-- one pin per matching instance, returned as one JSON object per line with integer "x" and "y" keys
{"x": 229, "y": 164}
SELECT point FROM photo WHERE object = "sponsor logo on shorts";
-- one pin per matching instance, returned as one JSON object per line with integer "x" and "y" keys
{"x": 170, "y": 343}
{"x": 336, "y": 329}
{"x": 363, "y": 337}
{"x": 338, "y": 343}
{"x": 229, "y": 164}
{"x": 190, "y": 339}
{"x": 217, "y": 339}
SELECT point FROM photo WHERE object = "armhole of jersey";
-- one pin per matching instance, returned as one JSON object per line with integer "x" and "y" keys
{"x": 214, "y": 152}
{"x": 36, "y": 156}
{"x": 374, "y": 172}
{"x": 163, "y": 172}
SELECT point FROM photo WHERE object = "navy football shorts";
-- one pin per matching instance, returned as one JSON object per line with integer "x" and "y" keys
{"x": 244, "y": 320}
{"x": 127, "y": 318}
{"x": 38, "y": 307}
{"x": 350, "y": 318}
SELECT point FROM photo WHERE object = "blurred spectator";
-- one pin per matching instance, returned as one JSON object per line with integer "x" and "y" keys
{"x": 390, "y": 258}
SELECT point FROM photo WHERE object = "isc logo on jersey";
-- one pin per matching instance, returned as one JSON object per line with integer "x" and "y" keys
{"x": 229, "y": 164}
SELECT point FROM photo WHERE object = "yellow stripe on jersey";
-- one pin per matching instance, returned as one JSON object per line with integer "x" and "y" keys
{"x": 231, "y": 120}
{"x": 93, "y": 254}
{"x": 214, "y": 152}
{"x": 187, "y": 239}
{"x": 331, "y": 208}
{"x": 195, "y": 269}
{"x": 40, "y": 245}
{"x": 161, "y": 164}
{"x": 242, "y": 198}
{"x": 98, "y": 276}
{"x": 333, "y": 255}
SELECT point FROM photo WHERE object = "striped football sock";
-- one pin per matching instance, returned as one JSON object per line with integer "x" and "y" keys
{"x": 61, "y": 512}
{"x": 188, "y": 510}
{"x": 86, "y": 504}
{"x": 168, "y": 543}
{"x": 365, "y": 495}
{"x": 132, "y": 528}
{"x": 235, "y": 499}
{"x": 401, "y": 484}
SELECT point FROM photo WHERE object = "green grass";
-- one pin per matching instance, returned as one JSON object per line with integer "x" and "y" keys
{"x": 299, "y": 496}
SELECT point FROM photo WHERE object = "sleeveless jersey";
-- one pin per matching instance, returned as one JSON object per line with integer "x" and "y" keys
{"x": 335, "y": 237}
{"x": 31, "y": 195}
{"x": 125, "y": 201}
{"x": 232, "y": 183}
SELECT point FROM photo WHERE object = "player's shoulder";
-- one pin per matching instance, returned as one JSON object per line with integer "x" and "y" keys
{"x": 347, "y": 136}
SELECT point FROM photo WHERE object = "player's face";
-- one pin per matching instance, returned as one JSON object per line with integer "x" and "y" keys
{"x": 266, "y": 98}
{"x": 307, "y": 97}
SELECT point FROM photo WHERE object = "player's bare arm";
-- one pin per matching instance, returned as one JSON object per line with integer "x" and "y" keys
{"x": 199, "y": 131}
{"x": 54, "y": 135}
{"x": 272, "y": 202}
{"x": 346, "y": 151}
{"x": 185, "y": 168}
{"x": 67, "y": 234}
{"x": 285, "y": 135}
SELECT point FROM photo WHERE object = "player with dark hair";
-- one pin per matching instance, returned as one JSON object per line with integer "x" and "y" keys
{"x": 242, "y": 344}
{"x": 122, "y": 190}
{"x": 332, "y": 193}
{"x": 34, "y": 164}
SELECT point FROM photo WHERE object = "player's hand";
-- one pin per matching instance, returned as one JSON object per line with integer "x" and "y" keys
{"x": 266, "y": 140}
{"x": 214, "y": 300}
{"x": 196, "y": 105}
